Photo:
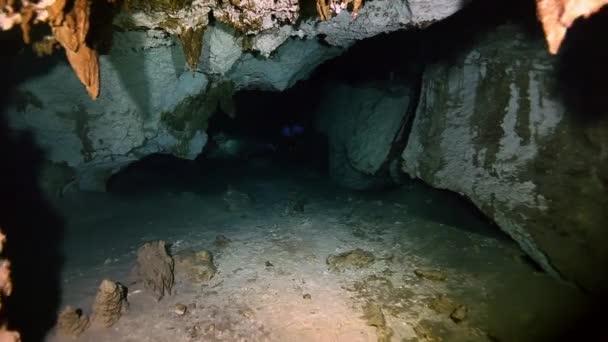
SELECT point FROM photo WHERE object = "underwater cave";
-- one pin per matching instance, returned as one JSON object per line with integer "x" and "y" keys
{"x": 388, "y": 170}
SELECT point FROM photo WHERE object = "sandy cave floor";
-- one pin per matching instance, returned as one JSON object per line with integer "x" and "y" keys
{"x": 273, "y": 282}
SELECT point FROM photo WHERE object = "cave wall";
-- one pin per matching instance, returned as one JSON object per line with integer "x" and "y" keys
{"x": 492, "y": 125}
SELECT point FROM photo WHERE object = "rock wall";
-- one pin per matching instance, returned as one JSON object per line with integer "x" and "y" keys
{"x": 150, "y": 101}
{"x": 363, "y": 123}
{"x": 492, "y": 125}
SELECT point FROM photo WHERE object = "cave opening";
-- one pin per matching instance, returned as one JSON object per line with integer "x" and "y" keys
{"x": 368, "y": 200}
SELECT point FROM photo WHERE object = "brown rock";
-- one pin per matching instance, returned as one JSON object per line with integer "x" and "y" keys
{"x": 180, "y": 309}
{"x": 375, "y": 318}
{"x": 72, "y": 322}
{"x": 430, "y": 274}
{"x": 195, "y": 266}
{"x": 443, "y": 305}
{"x": 459, "y": 314}
{"x": 110, "y": 303}
{"x": 155, "y": 268}
{"x": 357, "y": 258}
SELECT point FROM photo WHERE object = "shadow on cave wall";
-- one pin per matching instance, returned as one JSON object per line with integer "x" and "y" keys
{"x": 582, "y": 68}
{"x": 34, "y": 234}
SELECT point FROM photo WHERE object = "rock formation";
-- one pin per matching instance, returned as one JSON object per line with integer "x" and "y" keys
{"x": 168, "y": 69}
{"x": 356, "y": 258}
{"x": 363, "y": 123}
{"x": 155, "y": 268}
{"x": 110, "y": 303}
{"x": 492, "y": 125}
{"x": 195, "y": 266}
{"x": 72, "y": 322}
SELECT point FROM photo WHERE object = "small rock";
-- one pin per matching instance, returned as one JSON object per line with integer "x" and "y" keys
{"x": 459, "y": 314}
{"x": 195, "y": 266}
{"x": 110, "y": 303}
{"x": 307, "y": 296}
{"x": 72, "y": 322}
{"x": 356, "y": 258}
{"x": 155, "y": 268}
{"x": 269, "y": 264}
{"x": 443, "y": 304}
{"x": 180, "y": 309}
{"x": 430, "y": 274}
{"x": 222, "y": 241}
{"x": 247, "y": 313}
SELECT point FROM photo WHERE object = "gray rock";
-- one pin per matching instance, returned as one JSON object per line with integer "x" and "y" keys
{"x": 362, "y": 124}
{"x": 145, "y": 84}
{"x": 492, "y": 126}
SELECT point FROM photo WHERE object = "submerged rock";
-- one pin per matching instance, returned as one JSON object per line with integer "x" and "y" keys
{"x": 356, "y": 258}
{"x": 110, "y": 303}
{"x": 375, "y": 317}
{"x": 430, "y": 274}
{"x": 460, "y": 313}
{"x": 362, "y": 124}
{"x": 180, "y": 309}
{"x": 72, "y": 322}
{"x": 445, "y": 305}
{"x": 494, "y": 125}
{"x": 155, "y": 268}
{"x": 196, "y": 266}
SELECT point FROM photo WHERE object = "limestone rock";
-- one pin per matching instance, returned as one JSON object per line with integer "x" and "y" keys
{"x": 357, "y": 258}
{"x": 196, "y": 266}
{"x": 72, "y": 322}
{"x": 459, "y": 314}
{"x": 110, "y": 303}
{"x": 375, "y": 318}
{"x": 180, "y": 309}
{"x": 97, "y": 138}
{"x": 493, "y": 126}
{"x": 155, "y": 268}
{"x": 362, "y": 124}
{"x": 430, "y": 274}
{"x": 145, "y": 77}
{"x": 443, "y": 304}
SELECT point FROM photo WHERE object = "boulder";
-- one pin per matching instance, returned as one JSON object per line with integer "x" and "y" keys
{"x": 493, "y": 126}
{"x": 363, "y": 124}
